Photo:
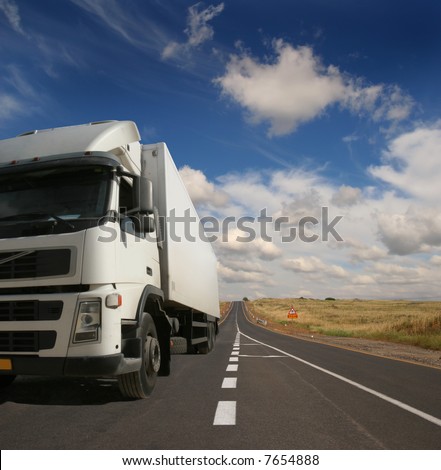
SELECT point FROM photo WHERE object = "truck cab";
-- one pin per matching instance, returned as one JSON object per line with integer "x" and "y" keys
{"x": 82, "y": 265}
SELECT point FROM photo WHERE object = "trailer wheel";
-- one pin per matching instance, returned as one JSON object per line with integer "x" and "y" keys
{"x": 6, "y": 380}
{"x": 141, "y": 383}
{"x": 207, "y": 347}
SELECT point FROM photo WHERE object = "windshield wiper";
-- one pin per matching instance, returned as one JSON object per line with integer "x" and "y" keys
{"x": 38, "y": 215}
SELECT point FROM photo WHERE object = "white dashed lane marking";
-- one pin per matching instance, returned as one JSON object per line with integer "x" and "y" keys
{"x": 226, "y": 410}
{"x": 229, "y": 382}
{"x": 225, "y": 414}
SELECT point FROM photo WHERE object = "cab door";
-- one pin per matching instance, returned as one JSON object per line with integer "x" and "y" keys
{"x": 137, "y": 257}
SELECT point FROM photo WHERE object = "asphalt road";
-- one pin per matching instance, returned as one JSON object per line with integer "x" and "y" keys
{"x": 257, "y": 390}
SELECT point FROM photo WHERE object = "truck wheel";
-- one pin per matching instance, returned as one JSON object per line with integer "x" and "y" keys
{"x": 207, "y": 347}
{"x": 140, "y": 384}
{"x": 212, "y": 337}
{"x": 6, "y": 380}
{"x": 179, "y": 345}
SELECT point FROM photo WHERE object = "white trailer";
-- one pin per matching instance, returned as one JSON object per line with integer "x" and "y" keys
{"x": 104, "y": 267}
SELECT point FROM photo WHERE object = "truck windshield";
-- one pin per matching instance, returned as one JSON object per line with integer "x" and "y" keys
{"x": 52, "y": 200}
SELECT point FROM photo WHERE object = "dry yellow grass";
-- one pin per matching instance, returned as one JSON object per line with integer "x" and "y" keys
{"x": 401, "y": 321}
{"x": 224, "y": 306}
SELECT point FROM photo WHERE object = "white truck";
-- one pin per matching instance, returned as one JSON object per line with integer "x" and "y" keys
{"x": 104, "y": 267}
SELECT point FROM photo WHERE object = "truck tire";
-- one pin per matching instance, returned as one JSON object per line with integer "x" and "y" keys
{"x": 141, "y": 383}
{"x": 179, "y": 345}
{"x": 207, "y": 347}
{"x": 6, "y": 380}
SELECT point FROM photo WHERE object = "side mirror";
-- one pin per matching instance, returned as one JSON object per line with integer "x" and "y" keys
{"x": 144, "y": 192}
{"x": 143, "y": 223}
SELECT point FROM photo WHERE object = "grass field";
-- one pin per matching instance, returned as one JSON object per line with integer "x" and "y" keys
{"x": 400, "y": 321}
{"x": 224, "y": 306}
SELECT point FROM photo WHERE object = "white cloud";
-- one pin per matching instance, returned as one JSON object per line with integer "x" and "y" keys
{"x": 412, "y": 163}
{"x": 296, "y": 87}
{"x": 412, "y": 232}
{"x": 435, "y": 260}
{"x": 266, "y": 250}
{"x": 201, "y": 190}
{"x": 172, "y": 49}
{"x": 124, "y": 19}
{"x": 411, "y": 166}
{"x": 391, "y": 241}
{"x": 346, "y": 196}
{"x": 54, "y": 53}
{"x": 230, "y": 275}
{"x": 389, "y": 273}
{"x": 245, "y": 265}
{"x": 314, "y": 266}
{"x": 360, "y": 253}
{"x": 11, "y": 11}
{"x": 348, "y": 139}
{"x": 16, "y": 78}
{"x": 111, "y": 13}
{"x": 395, "y": 105}
{"x": 249, "y": 192}
{"x": 363, "y": 279}
{"x": 305, "y": 204}
{"x": 236, "y": 242}
{"x": 291, "y": 192}
{"x": 19, "y": 96}
{"x": 198, "y": 30}
{"x": 9, "y": 106}
{"x": 381, "y": 102}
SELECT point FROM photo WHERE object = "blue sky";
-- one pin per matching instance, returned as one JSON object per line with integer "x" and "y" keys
{"x": 288, "y": 106}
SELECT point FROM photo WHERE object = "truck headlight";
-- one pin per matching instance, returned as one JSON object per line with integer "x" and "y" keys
{"x": 88, "y": 322}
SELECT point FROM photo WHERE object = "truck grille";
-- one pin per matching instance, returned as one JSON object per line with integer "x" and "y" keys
{"x": 34, "y": 263}
{"x": 27, "y": 341}
{"x": 30, "y": 310}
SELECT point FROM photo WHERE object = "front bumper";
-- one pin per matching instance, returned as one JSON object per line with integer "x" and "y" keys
{"x": 94, "y": 366}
